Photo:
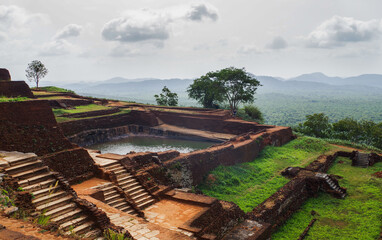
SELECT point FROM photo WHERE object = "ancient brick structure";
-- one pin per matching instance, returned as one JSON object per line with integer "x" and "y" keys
{"x": 30, "y": 126}
{"x": 4, "y": 75}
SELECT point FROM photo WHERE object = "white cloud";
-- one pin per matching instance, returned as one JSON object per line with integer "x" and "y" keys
{"x": 16, "y": 19}
{"x": 137, "y": 26}
{"x": 278, "y": 43}
{"x": 200, "y": 11}
{"x": 248, "y": 49}
{"x": 3, "y": 36}
{"x": 148, "y": 24}
{"x": 71, "y": 30}
{"x": 338, "y": 31}
{"x": 56, "y": 48}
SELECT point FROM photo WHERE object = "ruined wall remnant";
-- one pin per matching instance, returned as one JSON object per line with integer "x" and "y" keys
{"x": 5, "y": 76}
{"x": 10, "y": 88}
{"x": 30, "y": 126}
{"x": 15, "y": 89}
{"x": 188, "y": 169}
{"x": 71, "y": 128}
{"x": 209, "y": 123}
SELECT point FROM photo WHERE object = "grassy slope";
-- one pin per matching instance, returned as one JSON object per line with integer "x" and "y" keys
{"x": 249, "y": 184}
{"x": 358, "y": 216}
{"x": 80, "y": 109}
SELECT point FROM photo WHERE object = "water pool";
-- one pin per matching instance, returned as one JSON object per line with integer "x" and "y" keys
{"x": 149, "y": 143}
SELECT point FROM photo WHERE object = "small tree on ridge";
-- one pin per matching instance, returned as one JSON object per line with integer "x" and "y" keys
{"x": 35, "y": 71}
{"x": 167, "y": 98}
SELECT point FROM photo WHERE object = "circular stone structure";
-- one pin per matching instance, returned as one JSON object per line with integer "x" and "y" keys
{"x": 4, "y": 75}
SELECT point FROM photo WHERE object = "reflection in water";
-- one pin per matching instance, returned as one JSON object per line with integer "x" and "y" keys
{"x": 151, "y": 144}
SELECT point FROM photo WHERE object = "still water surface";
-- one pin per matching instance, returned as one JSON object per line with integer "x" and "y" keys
{"x": 151, "y": 144}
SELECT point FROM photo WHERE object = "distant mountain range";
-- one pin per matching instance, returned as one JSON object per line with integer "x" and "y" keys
{"x": 373, "y": 80}
{"x": 314, "y": 84}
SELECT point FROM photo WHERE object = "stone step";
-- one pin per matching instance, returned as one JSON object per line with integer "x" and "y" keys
{"x": 143, "y": 199}
{"x": 22, "y": 160}
{"x": 120, "y": 205}
{"x": 83, "y": 228}
{"x": 112, "y": 198}
{"x": 145, "y": 204}
{"x": 23, "y": 167}
{"x": 110, "y": 193}
{"x": 54, "y": 213}
{"x": 137, "y": 198}
{"x": 30, "y": 173}
{"x": 126, "y": 208}
{"x": 49, "y": 198}
{"x": 54, "y": 204}
{"x": 111, "y": 165}
{"x": 121, "y": 179}
{"x": 108, "y": 189}
{"x": 116, "y": 168}
{"x": 40, "y": 185}
{"x": 64, "y": 217}
{"x": 127, "y": 182}
{"x": 95, "y": 234}
{"x": 45, "y": 191}
{"x": 116, "y": 201}
{"x": 119, "y": 172}
{"x": 132, "y": 189}
{"x": 137, "y": 192}
{"x": 35, "y": 179}
{"x": 73, "y": 222}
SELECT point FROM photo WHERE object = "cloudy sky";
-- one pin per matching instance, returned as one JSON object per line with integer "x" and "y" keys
{"x": 93, "y": 40}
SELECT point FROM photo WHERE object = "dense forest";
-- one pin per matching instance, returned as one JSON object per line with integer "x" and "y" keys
{"x": 283, "y": 102}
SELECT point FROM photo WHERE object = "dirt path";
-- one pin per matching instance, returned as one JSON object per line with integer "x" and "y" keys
{"x": 26, "y": 228}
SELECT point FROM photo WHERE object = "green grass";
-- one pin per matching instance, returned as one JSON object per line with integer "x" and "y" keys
{"x": 54, "y": 89}
{"x": 358, "y": 216}
{"x": 66, "y": 119}
{"x": 15, "y": 99}
{"x": 80, "y": 109}
{"x": 249, "y": 184}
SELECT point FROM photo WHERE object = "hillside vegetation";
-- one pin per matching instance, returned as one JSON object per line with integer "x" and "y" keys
{"x": 283, "y": 102}
{"x": 358, "y": 216}
{"x": 249, "y": 184}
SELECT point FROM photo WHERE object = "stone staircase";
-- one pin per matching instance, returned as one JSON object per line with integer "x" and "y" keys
{"x": 49, "y": 198}
{"x": 361, "y": 160}
{"x": 131, "y": 186}
{"x": 114, "y": 198}
{"x": 332, "y": 184}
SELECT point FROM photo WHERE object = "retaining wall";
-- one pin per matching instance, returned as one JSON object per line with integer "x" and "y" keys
{"x": 30, "y": 126}
{"x": 212, "y": 123}
{"x": 71, "y": 128}
{"x": 15, "y": 89}
{"x": 188, "y": 170}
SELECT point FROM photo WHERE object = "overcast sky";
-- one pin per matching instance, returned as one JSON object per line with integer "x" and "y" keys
{"x": 93, "y": 40}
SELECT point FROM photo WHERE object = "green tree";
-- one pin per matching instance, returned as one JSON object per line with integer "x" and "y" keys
{"x": 166, "y": 98}
{"x": 316, "y": 125}
{"x": 254, "y": 113}
{"x": 233, "y": 85}
{"x": 35, "y": 71}
{"x": 206, "y": 91}
{"x": 347, "y": 129}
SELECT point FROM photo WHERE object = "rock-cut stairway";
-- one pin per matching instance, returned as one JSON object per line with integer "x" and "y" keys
{"x": 49, "y": 198}
{"x": 332, "y": 184}
{"x": 114, "y": 198}
{"x": 130, "y": 185}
